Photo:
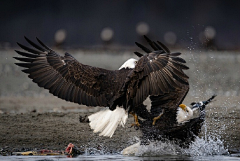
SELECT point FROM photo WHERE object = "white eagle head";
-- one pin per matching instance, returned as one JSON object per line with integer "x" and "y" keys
{"x": 184, "y": 113}
{"x": 130, "y": 63}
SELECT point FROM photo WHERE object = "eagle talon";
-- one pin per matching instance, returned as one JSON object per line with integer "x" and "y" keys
{"x": 136, "y": 124}
{"x": 136, "y": 127}
{"x": 157, "y": 118}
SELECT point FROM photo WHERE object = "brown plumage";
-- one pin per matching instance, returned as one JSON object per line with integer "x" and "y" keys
{"x": 157, "y": 74}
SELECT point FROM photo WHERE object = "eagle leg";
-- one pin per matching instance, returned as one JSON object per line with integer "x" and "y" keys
{"x": 135, "y": 120}
{"x": 157, "y": 118}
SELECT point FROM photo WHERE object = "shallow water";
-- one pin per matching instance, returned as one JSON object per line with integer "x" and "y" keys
{"x": 115, "y": 157}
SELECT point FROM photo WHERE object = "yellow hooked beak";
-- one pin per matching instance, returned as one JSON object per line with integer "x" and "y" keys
{"x": 184, "y": 107}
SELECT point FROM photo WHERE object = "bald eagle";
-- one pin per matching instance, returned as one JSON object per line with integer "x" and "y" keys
{"x": 183, "y": 134}
{"x": 157, "y": 75}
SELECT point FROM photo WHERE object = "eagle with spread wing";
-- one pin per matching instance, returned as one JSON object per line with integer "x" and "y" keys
{"x": 157, "y": 75}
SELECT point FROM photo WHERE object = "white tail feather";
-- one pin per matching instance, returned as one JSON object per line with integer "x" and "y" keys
{"x": 107, "y": 121}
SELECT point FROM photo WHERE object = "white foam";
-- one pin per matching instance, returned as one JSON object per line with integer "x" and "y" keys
{"x": 206, "y": 146}
{"x": 131, "y": 150}
{"x": 200, "y": 147}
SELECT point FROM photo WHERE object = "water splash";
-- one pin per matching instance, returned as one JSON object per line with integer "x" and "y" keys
{"x": 202, "y": 146}
{"x": 158, "y": 148}
{"x": 206, "y": 146}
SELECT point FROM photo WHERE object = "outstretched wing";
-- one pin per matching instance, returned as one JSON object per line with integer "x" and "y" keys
{"x": 68, "y": 79}
{"x": 160, "y": 76}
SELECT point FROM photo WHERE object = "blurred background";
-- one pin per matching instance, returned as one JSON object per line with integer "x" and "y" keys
{"x": 210, "y": 24}
{"x": 102, "y": 33}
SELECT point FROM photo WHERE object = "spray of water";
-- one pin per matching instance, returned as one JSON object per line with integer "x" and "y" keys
{"x": 200, "y": 147}
{"x": 157, "y": 149}
{"x": 206, "y": 146}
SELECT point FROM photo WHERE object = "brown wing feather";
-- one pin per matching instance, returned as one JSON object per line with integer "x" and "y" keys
{"x": 160, "y": 76}
{"x": 68, "y": 79}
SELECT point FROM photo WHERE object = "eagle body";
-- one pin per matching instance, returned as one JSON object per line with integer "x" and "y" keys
{"x": 158, "y": 74}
